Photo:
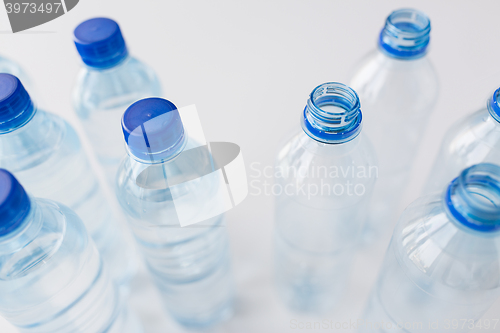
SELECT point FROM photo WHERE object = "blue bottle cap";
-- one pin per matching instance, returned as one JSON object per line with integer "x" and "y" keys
{"x": 406, "y": 34}
{"x": 153, "y": 130}
{"x": 494, "y": 106}
{"x": 100, "y": 43}
{"x": 14, "y": 203}
{"x": 16, "y": 107}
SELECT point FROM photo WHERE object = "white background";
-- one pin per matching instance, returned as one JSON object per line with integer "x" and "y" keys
{"x": 249, "y": 67}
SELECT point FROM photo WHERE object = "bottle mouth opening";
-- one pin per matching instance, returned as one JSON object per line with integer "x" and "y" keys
{"x": 409, "y": 22}
{"x": 334, "y": 103}
{"x": 474, "y": 197}
{"x": 406, "y": 34}
{"x": 494, "y": 105}
{"x": 332, "y": 114}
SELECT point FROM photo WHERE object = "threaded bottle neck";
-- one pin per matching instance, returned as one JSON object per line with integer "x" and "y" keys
{"x": 332, "y": 113}
{"x": 406, "y": 34}
{"x": 473, "y": 198}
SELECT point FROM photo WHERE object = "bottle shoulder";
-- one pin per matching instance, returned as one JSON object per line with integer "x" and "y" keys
{"x": 433, "y": 248}
{"x": 478, "y": 131}
{"x": 45, "y": 257}
{"x": 114, "y": 87}
{"x": 378, "y": 77}
{"x": 301, "y": 147}
{"x": 46, "y": 137}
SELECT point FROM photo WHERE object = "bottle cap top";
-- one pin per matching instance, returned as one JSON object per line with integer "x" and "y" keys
{"x": 16, "y": 107}
{"x": 100, "y": 42}
{"x": 153, "y": 130}
{"x": 14, "y": 203}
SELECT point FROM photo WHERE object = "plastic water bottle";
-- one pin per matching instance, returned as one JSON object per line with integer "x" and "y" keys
{"x": 45, "y": 154}
{"x": 443, "y": 265}
{"x": 472, "y": 140}
{"x": 324, "y": 178}
{"x": 399, "y": 89}
{"x": 190, "y": 265}
{"x": 52, "y": 278}
{"x": 108, "y": 83}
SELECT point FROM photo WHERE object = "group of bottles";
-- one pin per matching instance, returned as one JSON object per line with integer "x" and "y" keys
{"x": 442, "y": 262}
{"x": 52, "y": 276}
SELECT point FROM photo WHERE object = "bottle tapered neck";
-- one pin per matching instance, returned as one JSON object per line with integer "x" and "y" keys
{"x": 406, "y": 34}
{"x": 494, "y": 105}
{"x": 332, "y": 114}
{"x": 473, "y": 198}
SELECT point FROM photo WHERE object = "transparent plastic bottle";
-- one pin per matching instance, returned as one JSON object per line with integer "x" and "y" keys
{"x": 190, "y": 265}
{"x": 45, "y": 154}
{"x": 108, "y": 83}
{"x": 52, "y": 278}
{"x": 324, "y": 178}
{"x": 399, "y": 89}
{"x": 443, "y": 264}
{"x": 472, "y": 140}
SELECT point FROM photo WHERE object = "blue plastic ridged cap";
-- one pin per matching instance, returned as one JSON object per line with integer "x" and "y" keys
{"x": 100, "y": 43}
{"x": 16, "y": 107}
{"x": 153, "y": 130}
{"x": 14, "y": 203}
{"x": 406, "y": 34}
{"x": 494, "y": 106}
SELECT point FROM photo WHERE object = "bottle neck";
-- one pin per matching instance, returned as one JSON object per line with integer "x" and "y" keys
{"x": 113, "y": 67}
{"x": 24, "y": 234}
{"x": 473, "y": 199}
{"x": 29, "y": 144}
{"x": 493, "y": 105}
{"x": 406, "y": 35}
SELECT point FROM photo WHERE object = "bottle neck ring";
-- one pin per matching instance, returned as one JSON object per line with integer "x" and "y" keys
{"x": 406, "y": 34}
{"x": 332, "y": 114}
{"x": 473, "y": 198}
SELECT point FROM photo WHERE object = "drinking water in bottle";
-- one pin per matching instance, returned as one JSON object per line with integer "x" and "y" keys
{"x": 108, "y": 83}
{"x": 443, "y": 263}
{"x": 52, "y": 278}
{"x": 399, "y": 88}
{"x": 159, "y": 178}
{"x": 472, "y": 140}
{"x": 44, "y": 152}
{"x": 325, "y": 175}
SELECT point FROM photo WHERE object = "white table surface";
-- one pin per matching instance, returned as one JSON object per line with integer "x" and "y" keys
{"x": 249, "y": 67}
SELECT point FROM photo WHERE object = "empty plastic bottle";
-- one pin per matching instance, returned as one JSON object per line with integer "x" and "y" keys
{"x": 108, "y": 83}
{"x": 399, "y": 89}
{"x": 472, "y": 140}
{"x": 45, "y": 154}
{"x": 443, "y": 264}
{"x": 190, "y": 265}
{"x": 324, "y": 178}
{"x": 52, "y": 278}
